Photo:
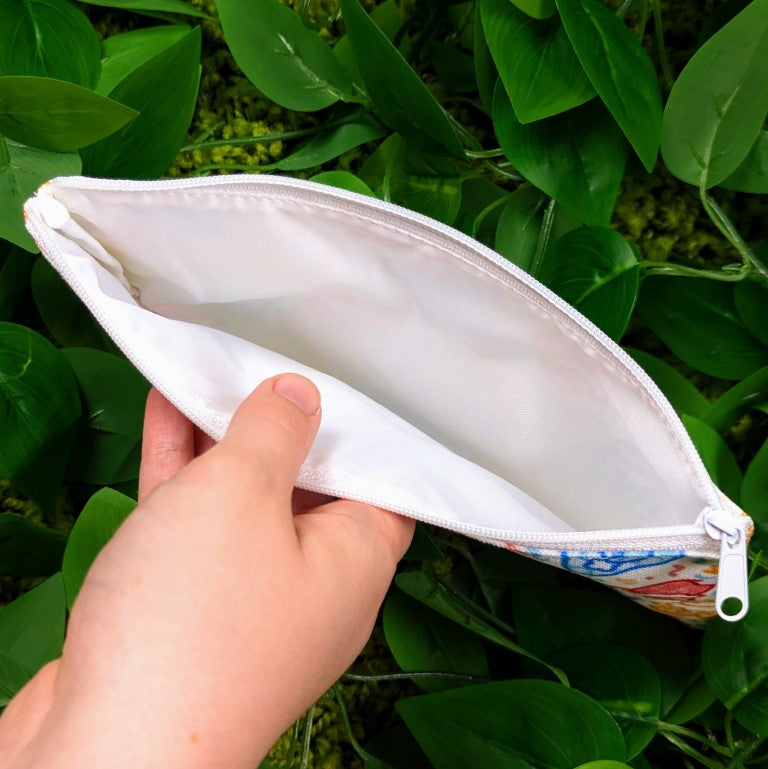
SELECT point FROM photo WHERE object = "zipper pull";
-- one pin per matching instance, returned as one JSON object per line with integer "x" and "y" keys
{"x": 732, "y": 572}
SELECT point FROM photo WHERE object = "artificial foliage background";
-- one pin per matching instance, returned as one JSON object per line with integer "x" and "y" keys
{"x": 617, "y": 151}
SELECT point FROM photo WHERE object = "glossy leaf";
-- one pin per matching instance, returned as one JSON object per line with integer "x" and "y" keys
{"x": 426, "y": 589}
{"x": 754, "y": 488}
{"x": 622, "y": 681}
{"x": 577, "y": 158}
{"x": 48, "y": 38}
{"x": 595, "y": 270}
{"x": 486, "y": 74}
{"x": 683, "y": 396}
{"x": 751, "y": 297}
{"x": 38, "y": 420}
{"x": 128, "y": 51}
{"x": 718, "y": 104}
{"x": 289, "y": 63}
{"x": 750, "y": 393}
{"x": 734, "y": 657}
{"x": 401, "y": 99}
{"x": 108, "y": 446}
{"x": 620, "y": 71}
{"x": 330, "y": 143}
{"x": 32, "y": 626}
{"x": 696, "y": 699}
{"x": 550, "y": 619}
{"x": 67, "y": 319}
{"x": 697, "y": 320}
{"x": 496, "y": 725}
{"x": 605, "y": 764}
{"x": 95, "y": 526}
{"x": 717, "y": 457}
{"x": 538, "y": 9}
{"x": 159, "y": 6}
{"x": 55, "y": 115}
{"x": 344, "y": 180}
{"x": 164, "y": 91}
{"x": 535, "y": 60}
{"x": 519, "y": 227}
{"x": 481, "y": 205}
{"x": 25, "y": 170}
{"x": 12, "y": 679}
{"x": 752, "y": 174}
{"x": 27, "y": 548}
{"x": 15, "y": 268}
{"x": 422, "y": 547}
{"x": 424, "y": 640}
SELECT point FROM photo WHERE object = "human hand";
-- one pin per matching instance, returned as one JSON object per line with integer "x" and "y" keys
{"x": 215, "y": 616}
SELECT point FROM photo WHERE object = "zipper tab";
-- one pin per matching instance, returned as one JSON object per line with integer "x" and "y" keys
{"x": 732, "y": 573}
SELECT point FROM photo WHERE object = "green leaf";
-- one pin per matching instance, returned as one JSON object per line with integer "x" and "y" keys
{"x": 99, "y": 520}
{"x": 37, "y": 420}
{"x": 604, "y": 764}
{"x": 595, "y": 270}
{"x": 55, "y": 115}
{"x": 754, "y": 488}
{"x": 28, "y": 549}
{"x": 32, "y": 626}
{"x": 424, "y": 588}
{"x": 422, "y": 547}
{"x": 538, "y": 9}
{"x": 718, "y": 103}
{"x": 486, "y": 74}
{"x": 501, "y": 724}
{"x": 734, "y": 656}
{"x": 164, "y": 91}
{"x": 108, "y": 446}
{"x": 750, "y": 393}
{"x": 289, "y": 63}
{"x": 751, "y": 297}
{"x": 343, "y": 180}
{"x": 752, "y": 174}
{"x": 550, "y": 619}
{"x": 25, "y": 170}
{"x": 519, "y": 227}
{"x": 423, "y": 640}
{"x": 697, "y": 320}
{"x": 535, "y": 60}
{"x": 481, "y": 205}
{"x": 402, "y": 100}
{"x": 15, "y": 269}
{"x": 619, "y": 69}
{"x": 622, "y": 681}
{"x": 577, "y": 158}
{"x": 159, "y": 6}
{"x": 454, "y": 68}
{"x": 683, "y": 396}
{"x": 128, "y": 51}
{"x": 12, "y": 679}
{"x": 695, "y": 700}
{"x": 330, "y": 143}
{"x": 48, "y": 38}
{"x": 67, "y": 319}
{"x": 717, "y": 457}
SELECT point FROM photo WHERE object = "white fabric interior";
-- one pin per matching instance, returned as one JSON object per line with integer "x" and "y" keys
{"x": 520, "y": 426}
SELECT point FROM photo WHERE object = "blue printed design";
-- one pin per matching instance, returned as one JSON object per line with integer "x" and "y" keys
{"x": 608, "y": 564}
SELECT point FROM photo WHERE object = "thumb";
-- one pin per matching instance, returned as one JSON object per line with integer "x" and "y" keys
{"x": 271, "y": 433}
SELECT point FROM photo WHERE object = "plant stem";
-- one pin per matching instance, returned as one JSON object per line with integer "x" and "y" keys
{"x": 689, "y": 750}
{"x": 728, "y": 728}
{"x": 5, "y": 155}
{"x": 357, "y": 747}
{"x": 621, "y": 11}
{"x": 658, "y": 28}
{"x": 304, "y": 763}
{"x": 414, "y": 674}
{"x": 730, "y": 233}
{"x": 746, "y": 750}
{"x": 669, "y": 268}
{"x": 544, "y": 235}
{"x": 490, "y": 208}
{"x": 666, "y": 728}
{"x": 481, "y": 154}
{"x": 472, "y": 565}
{"x": 497, "y": 168}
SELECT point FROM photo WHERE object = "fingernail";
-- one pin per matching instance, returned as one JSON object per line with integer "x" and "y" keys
{"x": 299, "y": 391}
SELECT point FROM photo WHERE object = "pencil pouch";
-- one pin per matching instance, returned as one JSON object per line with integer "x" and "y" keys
{"x": 456, "y": 389}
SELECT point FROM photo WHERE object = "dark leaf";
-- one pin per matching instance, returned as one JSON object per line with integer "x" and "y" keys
{"x": 752, "y": 174}
{"x": 620, "y": 71}
{"x": 539, "y": 9}
{"x": 535, "y": 60}
{"x": 754, "y": 489}
{"x": 164, "y": 91}
{"x": 15, "y": 269}
{"x": 37, "y": 421}
{"x": 28, "y": 549}
{"x": 486, "y": 74}
{"x": 751, "y": 297}
{"x": 48, "y": 38}
{"x": 519, "y": 227}
{"x": 160, "y": 6}
{"x": 577, "y": 158}
{"x": 718, "y": 104}
{"x": 697, "y": 320}
{"x": 750, "y": 393}
{"x": 55, "y": 115}
{"x": 596, "y": 270}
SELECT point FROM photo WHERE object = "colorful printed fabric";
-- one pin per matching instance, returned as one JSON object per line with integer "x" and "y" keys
{"x": 667, "y": 581}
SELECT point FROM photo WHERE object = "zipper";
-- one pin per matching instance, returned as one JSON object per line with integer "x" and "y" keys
{"x": 723, "y": 526}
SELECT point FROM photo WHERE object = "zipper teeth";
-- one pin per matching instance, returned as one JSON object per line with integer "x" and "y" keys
{"x": 480, "y": 256}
